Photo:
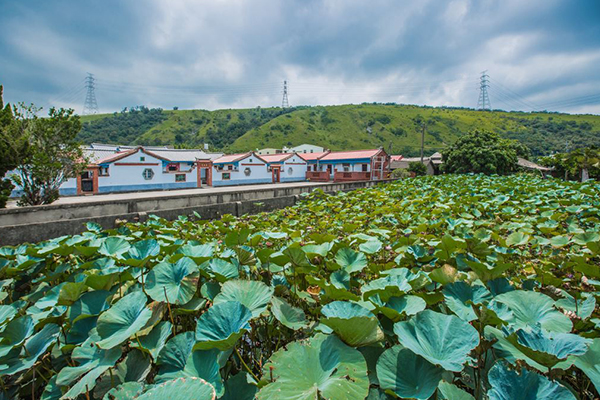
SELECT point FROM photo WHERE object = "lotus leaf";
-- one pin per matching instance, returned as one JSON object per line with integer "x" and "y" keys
{"x": 124, "y": 319}
{"x": 407, "y": 374}
{"x": 459, "y": 296}
{"x": 181, "y": 389}
{"x": 292, "y": 317}
{"x": 350, "y": 260}
{"x": 449, "y": 391}
{"x": 254, "y": 295}
{"x": 353, "y": 323}
{"x": 529, "y": 308}
{"x": 507, "y": 384}
{"x": 589, "y": 363}
{"x": 443, "y": 340}
{"x": 329, "y": 369}
{"x": 173, "y": 283}
{"x": 222, "y": 325}
{"x": 389, "y": 286}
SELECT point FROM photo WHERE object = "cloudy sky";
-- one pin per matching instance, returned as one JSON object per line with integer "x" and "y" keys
{"x": 539, "y": 54}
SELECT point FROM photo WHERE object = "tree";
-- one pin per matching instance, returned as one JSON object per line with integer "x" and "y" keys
{"x": 578, "y": 164}
{"x": 483, "y": 152}
{"x": 11, "y": 144}
{"x": 417, "y": 167}
{"x": 53, "y": 154}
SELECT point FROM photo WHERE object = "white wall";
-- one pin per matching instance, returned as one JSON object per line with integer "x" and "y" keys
{"x": 130, "y": 177}
{"x": 298, "y": 168}
{"x": 306, "y": 148}
{"x": 258, "y": 172}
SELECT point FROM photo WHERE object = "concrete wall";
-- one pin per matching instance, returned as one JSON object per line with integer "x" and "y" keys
{"x": 258, "y": 172}
{"x": 33, "y": 224}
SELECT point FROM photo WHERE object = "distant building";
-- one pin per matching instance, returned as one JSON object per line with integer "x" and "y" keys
{"x": 292, "y": 167}
{"x": 240, "y": 169}
{"x": 306, "y": 149}
{"x": 348, "y": 165}
{"x": 268, "y": 150}
{"x": 432, "y": 163}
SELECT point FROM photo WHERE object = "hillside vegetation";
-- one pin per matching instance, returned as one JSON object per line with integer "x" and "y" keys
{"x": 395, "y": 127}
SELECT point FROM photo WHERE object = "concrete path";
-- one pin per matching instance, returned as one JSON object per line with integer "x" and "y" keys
{"x": 154, "y": 194}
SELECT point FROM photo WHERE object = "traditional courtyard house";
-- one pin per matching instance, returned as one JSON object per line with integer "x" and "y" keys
{"x": 314, "y": 171}
{"x": 240, "y": 169}
{"x": 286, "y": 167}
{"x": 355, "y": 165}
{"x": 140, "y": 169}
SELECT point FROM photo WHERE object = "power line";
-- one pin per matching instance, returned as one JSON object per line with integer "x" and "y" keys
{"x": 90, "y": 106}
{"x": 484, "y": 99}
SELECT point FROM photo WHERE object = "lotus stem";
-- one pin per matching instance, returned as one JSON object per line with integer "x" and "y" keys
{"x": 245, "y": 365}
{"x": 169, "y": 308}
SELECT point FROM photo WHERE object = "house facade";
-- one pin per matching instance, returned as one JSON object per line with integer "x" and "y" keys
{"x": 286, "y": 167}
{"x": 353, "y": 165}
{"x": 240, "y": 169}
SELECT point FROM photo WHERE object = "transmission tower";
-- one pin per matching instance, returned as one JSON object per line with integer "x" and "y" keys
{"x": 90, "y": 106}
{"x": 484, "y": 99}
{"x": 284, "y": 102}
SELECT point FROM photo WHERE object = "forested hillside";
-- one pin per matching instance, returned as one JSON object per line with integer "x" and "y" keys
{"x": 395, "y": 127}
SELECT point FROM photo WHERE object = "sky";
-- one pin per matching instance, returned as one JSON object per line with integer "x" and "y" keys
{"x": 539, "y": 54}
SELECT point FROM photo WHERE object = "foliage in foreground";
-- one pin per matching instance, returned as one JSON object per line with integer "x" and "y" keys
{"x": 450, "y": 286}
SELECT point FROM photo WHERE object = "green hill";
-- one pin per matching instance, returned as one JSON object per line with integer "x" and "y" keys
{"x": 395, "y": 127}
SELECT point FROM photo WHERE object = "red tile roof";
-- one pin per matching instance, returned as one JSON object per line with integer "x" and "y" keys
{"x": 313, "y": 156}
{"x": 396, "y": 158}
{"x": 347, "y": 155}
{"x": 227, "y": 158}
{"x": 271, "y": 158}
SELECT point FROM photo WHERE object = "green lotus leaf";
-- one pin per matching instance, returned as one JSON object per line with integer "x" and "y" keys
{"x": 35, "y": 346}
{"x": 582, "y": 308}
{"x": 88, "y": 305}
{"x": 199, "y": 254}
{"x": 7, "y": 312}
{"x": 560, "y": 241}
{"x": 222, "y": 270}
{"x": 507, "y": 384}
{"x": 350, "y": 260}
{"x": 449, "y": 391}
{"x": 222, "y": 325}
{"x": 317, "y": 249}
{"x": 155, "y": 340}
{"x": 125, "y": 318}
{"x": 125, "y": 391}
{"x": 175, "y": 353}
{"x": 114, "y": 246}
{"x": 441, "y": 339}
{"x": 329, "y": 369}
{"x": 291, "y": 317}
{"x": 204, "y": 364}
{"x": 589, "y": 363}
{"x": 70, "y": 292}
{"x": 15, "y": 333}
{"x": 517, "y": 239}
{"x": 353, "y": 323}
{"x": 144, "y": 249}
{"x": 504, "y": 349}
{"x": 181, "y": 389}
{"x": 548, "y": 348}
{"x": 135, "y": 367}
{"x": 386, "y": 287}
{"x": 396, "y": 306}
{"x": 332, "y": 292}
{"x": 93, "y": 361}
{"x": 238, "y": 388}
{"x": 587, "y": 237}
{"x": 529, "y": 308}
{"x": 459, "y": 296}
{"x": 173, "y": 283}
{"x": 407, "y": 374}
{"x": 371, "y": 246}
{"x": 254, "y": 295}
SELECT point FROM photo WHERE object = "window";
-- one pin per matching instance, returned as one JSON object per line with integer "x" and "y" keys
{"x": 290, "y": 171}
{"x": 148, "y": 174}
{"x": 247, "y": 171}
{"x": 346, "y": 167}
{"x": 230, "y": 167}
{"x": 226, "y": 176}
{"x": 103, "y": 171}
{"x": 142, "y": 158}
{"x": 219, "y": 168}
{"x": 365, "y": 167}
{"x": 250, "y": 160}
{"x": 173, "y": 167}
{"x": 311, "y": 151}
{"x": 180, "y": 178}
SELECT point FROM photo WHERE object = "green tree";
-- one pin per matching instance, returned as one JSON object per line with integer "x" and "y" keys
{"x": 417, "y": 167}
{"x": 11, "y": 144}
{"x": 573, "y": 164}
{"x": 53, "y": 154}
{"x": 483, "y": 152}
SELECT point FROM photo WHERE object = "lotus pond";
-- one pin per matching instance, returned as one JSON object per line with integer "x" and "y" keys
{"x": 451, "y": 287}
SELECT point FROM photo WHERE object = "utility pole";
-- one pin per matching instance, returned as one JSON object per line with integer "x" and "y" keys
{"x": 484, "y": 99}
{"x": 423, "y": 127}
{"x": 90, "y": 106}
{"x": 284, "y": 102}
